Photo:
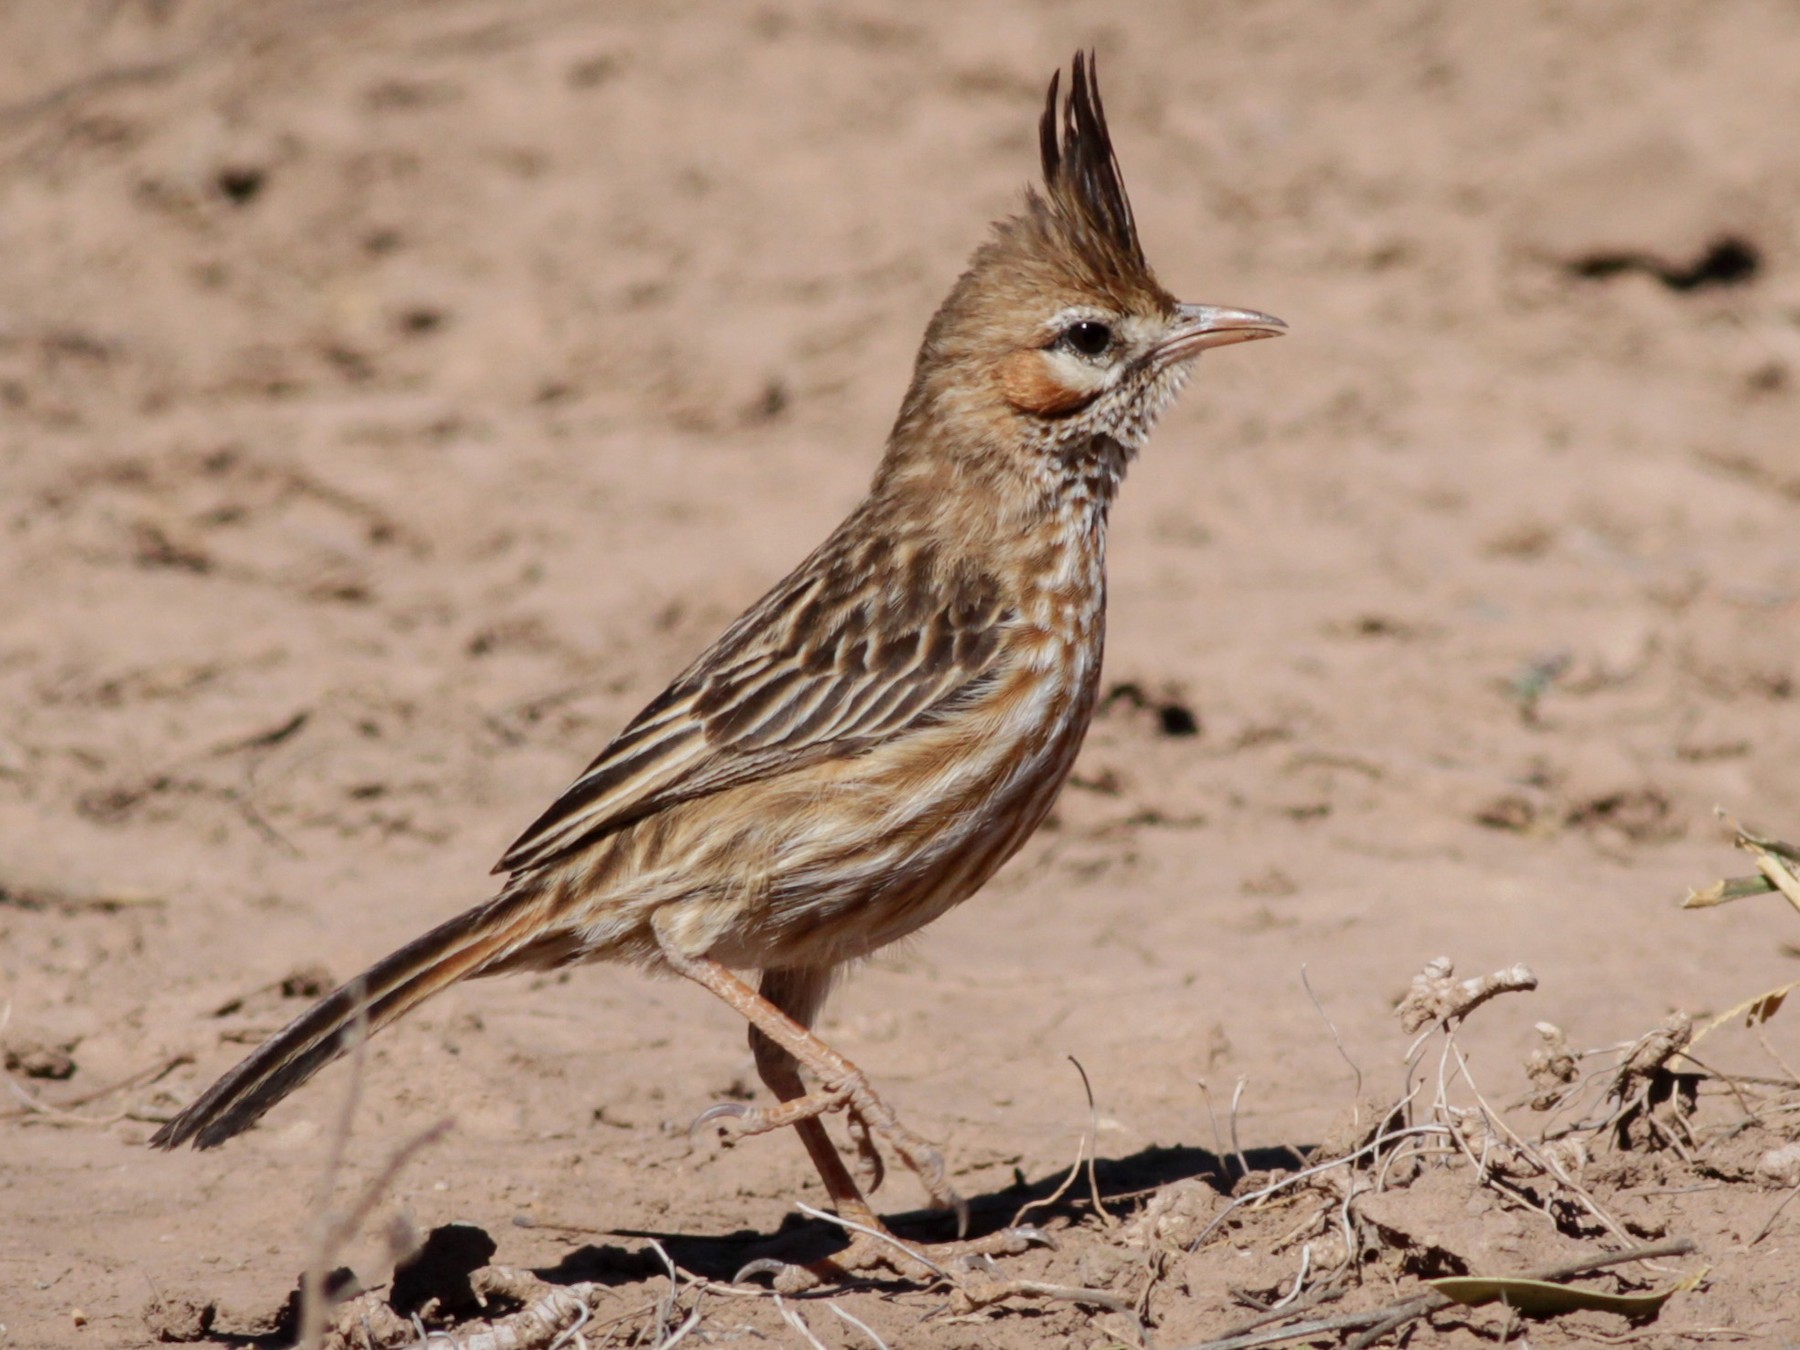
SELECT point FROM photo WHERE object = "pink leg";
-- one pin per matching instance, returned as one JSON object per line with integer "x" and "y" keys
{"x": 780, "y": 1038}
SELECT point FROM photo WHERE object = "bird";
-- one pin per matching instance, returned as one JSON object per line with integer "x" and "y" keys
{"x": 871, "y": 740}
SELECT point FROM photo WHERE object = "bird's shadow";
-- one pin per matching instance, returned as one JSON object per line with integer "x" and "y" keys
{"x": 802, "y": 1240}
{"x": 439, "y": 1273}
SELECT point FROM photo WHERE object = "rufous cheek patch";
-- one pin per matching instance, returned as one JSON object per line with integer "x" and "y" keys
{"x": 1031, "y": 386}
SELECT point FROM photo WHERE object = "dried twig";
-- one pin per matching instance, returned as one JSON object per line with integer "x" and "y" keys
{"x": 860, "y": 1325}
{"x": 325, "y": 1236}
{"x": 64, "y": 1113}
{"x": 1093, "y": 1145}
{"x": 1381, "y": 1141}
{"x": 1543, "y": 1159}
{"x": 64, "y": 902}
{"x": 332, "y": 1231}
{"x": 798, "y": 1323}
{"x": 1083, "y": 1152}
{"x": 906, "y": 1252}
{"x": 1330, "y": 1026}
{"x": 1377, "y": 1322}
{"x": 1774, "y": 1214}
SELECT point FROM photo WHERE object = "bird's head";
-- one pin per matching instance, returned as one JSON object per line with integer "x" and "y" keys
{"x": 1058, "y": 335}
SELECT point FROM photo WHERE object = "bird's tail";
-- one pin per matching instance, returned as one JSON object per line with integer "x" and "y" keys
{"x": 470, "y": 944}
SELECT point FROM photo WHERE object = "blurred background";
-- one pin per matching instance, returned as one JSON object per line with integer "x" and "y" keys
{"x": 394, "y": 395}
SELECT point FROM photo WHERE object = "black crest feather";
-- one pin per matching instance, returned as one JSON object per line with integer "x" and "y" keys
{"x": 1081, "y": 172}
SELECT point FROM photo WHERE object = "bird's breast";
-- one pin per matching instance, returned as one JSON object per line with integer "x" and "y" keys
{"x": 853, "y": 853}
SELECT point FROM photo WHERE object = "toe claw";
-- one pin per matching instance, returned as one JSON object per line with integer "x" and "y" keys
{"x": 723, "y": 1111}
{"x": 766, "y": 1265}
{"x": 1007, "y": 1242}
{"x": 784, "y": 1276}
{"x": 871, "y": 1170}
{"x": 1031, "y": 1235}
{"x": 979, "y": 1262}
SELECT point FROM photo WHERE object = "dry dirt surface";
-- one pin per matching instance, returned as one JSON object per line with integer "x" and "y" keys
{"x": 393, "y": 396}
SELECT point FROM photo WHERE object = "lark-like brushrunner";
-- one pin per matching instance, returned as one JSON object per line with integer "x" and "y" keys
{"x": 880, "y": 732}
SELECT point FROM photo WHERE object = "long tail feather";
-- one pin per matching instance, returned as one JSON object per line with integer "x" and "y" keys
{"x": 391, "y": 987}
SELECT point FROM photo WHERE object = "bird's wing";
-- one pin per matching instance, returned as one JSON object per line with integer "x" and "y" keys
{"x": 848, "y": 652}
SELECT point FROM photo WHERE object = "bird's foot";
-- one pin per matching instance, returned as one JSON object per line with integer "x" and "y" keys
{"x": 871, "y": 1119}
{"x": 874, "y": 1248}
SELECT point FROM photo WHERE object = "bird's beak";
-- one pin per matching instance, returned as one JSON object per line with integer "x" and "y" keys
{"x": 1201, "y": 326}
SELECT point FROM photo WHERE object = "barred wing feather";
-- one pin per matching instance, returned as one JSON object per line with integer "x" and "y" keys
{"x": 829, "y": 664}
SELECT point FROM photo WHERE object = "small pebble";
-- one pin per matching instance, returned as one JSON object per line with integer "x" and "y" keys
{"x": 1781, "y": 1165}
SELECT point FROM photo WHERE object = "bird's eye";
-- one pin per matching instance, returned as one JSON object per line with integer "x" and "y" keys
{"x": 1088, "y": 336}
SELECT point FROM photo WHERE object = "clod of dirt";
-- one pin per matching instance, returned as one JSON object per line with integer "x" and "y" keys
{"x": 1552, "y": 1067}
{"x": 418, "y": 320}
{"x": 1252, "y": 1182}
{"x": 179, "y": 1319}
{"x": 33, "y": 1059}
{"x": 1377, "y": 626}
{"x": 301, "y": 982}
{"x": 1769, "y": 377}
{"x": 1428, "y": 1225}
{"x": 1177, "y": 720}
{"x": 1525, "y": 541}
{"x": 339, "y": 1286}
{"x": 1727, "y": 261}
{"x": 1272, "y": 882}
{"x": 1176, "y": 1213}
{"x": 306, "y": 982}
{"x": 1781, "y": 1165}
{"x": 154, "y": 546}
{"x": 1355, "y": 1128}
{"x": 1437, "y": 996}
{"x": 240, "y": 184}
{"x": 1642, "y": 815}
{"x": 1510, "y": 812}
{"x": 593, "y": 71}
{"x": 769, "y": 403}
{"x": 1173, "y": 716}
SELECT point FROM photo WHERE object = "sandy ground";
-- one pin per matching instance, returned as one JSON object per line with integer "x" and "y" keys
{"x": 392, "y": 396}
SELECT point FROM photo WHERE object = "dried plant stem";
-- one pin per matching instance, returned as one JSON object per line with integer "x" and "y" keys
{"x": 332, "y": 1231}
{"x": 1307, "y": 1173}
{"x": 1083, "y": 1152}
{"x": 1377, "y": 1322}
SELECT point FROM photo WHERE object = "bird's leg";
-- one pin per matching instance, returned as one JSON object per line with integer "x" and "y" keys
{"x": 798, "y": 993}
{"x": 778, "y": 1018}
{"x": 841, "y": 1084}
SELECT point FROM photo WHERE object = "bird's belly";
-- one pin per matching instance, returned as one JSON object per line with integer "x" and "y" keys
{"x": 838, "y": 859}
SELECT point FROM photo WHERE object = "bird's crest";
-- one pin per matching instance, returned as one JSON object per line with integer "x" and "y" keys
{"x": 1081, "y": 174}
